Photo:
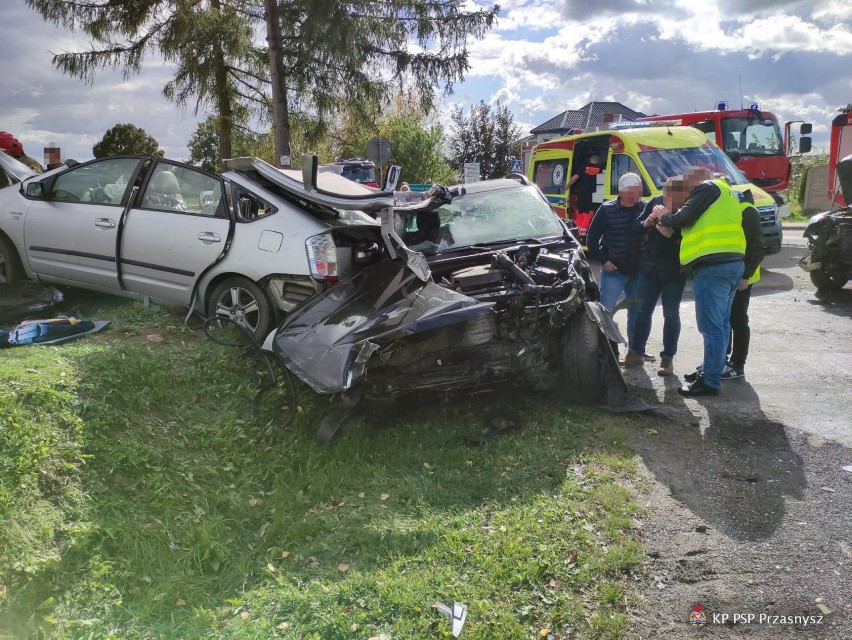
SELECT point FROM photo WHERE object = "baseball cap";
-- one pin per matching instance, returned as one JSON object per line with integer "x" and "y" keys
{"x": 629, "y": 180}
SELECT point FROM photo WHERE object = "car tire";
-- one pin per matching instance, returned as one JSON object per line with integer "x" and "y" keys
{"x": 582, "y": 367}
{"x": 10, "y": 264}
{"x": 828, "y": 281}
{"x": 245, "y": 303}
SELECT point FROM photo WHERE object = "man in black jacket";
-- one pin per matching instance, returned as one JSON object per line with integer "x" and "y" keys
{"x": 740, "y": 337}
{"x": 615, "y": 240}
{"x": 660, "y": 275}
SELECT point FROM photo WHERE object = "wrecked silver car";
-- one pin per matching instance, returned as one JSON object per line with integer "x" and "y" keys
{"x": 478, "y": 286}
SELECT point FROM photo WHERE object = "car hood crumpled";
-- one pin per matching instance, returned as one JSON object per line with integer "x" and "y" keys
{"x": 328, "y": 341}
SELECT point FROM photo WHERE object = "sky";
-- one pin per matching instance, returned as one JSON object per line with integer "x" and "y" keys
{"x": 794, "y": 58}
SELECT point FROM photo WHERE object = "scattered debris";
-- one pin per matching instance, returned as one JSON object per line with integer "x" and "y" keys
{"x": 457, "y": 616}
{"x": 19, "y": 299}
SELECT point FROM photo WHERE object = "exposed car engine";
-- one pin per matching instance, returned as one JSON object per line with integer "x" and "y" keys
{"x": 535, "y": 293}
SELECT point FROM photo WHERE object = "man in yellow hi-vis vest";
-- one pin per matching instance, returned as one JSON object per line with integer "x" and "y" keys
{"x": 713, "y": 246}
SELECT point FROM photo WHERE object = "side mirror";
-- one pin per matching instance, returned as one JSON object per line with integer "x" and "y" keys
{"x": 35, "y": 190}
{"x": 392, "y": 178}
{"x": 734, "y": 155}
{"x": 805, "y": 129}
{"x": 804, "y": 144}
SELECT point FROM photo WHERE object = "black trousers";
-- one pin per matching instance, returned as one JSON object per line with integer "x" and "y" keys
{"x": 740, "y": 333}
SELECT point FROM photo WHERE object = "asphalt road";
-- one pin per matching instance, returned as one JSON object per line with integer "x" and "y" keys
{"x": 749, "y": 510}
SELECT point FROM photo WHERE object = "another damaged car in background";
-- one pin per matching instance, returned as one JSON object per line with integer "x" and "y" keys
{"x": 829, "y": 234}
{"x": 477, "y": 287}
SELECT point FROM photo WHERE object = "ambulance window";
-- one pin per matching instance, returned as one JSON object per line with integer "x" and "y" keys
{"x": 550, "y": 175}
{"x": 622, "y": 164}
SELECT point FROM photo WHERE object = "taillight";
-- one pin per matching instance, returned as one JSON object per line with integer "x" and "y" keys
{"x": 322, "y": 257}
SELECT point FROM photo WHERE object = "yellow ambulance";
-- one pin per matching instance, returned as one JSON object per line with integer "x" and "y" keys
{"x": 654, "y": 150}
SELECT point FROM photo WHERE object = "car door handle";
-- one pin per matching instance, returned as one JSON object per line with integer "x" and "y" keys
{"x": 104, "y": 223}
{"x": 206, "y": 237}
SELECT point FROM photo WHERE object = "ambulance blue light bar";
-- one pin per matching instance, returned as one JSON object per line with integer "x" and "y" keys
{"x": 722, "y": 105}
{"x": 753, "y": 106}
{"x": 626, "y": 124}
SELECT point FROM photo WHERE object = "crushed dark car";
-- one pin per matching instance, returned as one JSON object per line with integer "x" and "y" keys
{"x": 829, "y": 234}
{"x": 478, "y": 286}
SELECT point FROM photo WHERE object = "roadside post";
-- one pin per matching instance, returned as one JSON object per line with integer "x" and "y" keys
{"x": 379, "y": 150}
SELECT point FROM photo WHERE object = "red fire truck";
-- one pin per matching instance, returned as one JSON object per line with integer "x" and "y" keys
{"x": 841, "y": 146}
{"x": 753, "y": 140}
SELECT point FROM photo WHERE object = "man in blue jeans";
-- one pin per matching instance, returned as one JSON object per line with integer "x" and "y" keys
{"x": 712, "y": 246}
{"x": 615, "y": 240}
{"x": 660, "y": 275}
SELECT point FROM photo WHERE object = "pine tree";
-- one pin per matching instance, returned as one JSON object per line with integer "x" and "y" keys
{"x": 322, "y": 56}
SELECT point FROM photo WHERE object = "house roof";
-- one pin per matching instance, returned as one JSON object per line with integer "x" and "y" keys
{"x": 586, "y": 117}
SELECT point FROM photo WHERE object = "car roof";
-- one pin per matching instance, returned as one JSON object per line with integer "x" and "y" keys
{"x": 15, "y": 168}
{"x": 330, "y": 190}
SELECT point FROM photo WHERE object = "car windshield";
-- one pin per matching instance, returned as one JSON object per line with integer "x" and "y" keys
{"x": 662, "y": 164}
{"x": 360, "y": 174}
{"x": 480, "y": 218}
{"x": 752, "y": 136}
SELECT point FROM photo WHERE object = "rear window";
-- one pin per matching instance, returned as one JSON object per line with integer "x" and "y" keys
{"x": 549, "y": 175}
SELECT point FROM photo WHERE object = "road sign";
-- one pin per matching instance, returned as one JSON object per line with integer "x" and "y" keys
{"x": 471, "y": 172}
{"x": 379, "y": 150}
{"x": 516, "y": 166}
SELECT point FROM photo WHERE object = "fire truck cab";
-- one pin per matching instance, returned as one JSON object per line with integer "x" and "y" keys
{"x": 753, "y": 140}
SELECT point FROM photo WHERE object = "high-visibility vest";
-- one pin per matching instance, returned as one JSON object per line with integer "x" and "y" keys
{"x": 718, "y": 230}
{"x": 755, "y": 277}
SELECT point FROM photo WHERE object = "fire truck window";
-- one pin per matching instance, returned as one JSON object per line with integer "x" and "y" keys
{"x": 550, "y": 175}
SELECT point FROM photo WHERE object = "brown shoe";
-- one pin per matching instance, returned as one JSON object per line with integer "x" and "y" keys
{"x": 666, "y": 366}
{"x": 633, "y": 359}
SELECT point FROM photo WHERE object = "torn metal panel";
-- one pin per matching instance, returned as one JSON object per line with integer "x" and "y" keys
{"x": 328, "y": 341}
{"x": 19, "y": 299}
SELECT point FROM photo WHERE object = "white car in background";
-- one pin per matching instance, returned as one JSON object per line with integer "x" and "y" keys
{"x": 250, "y": 244}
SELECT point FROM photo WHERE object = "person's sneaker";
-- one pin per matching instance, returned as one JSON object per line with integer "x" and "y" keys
{"x": 692, "y": 377}
{"x": 666, "y": 366}
{"x": 632, "y": 359}
{"x": 648, "y": 357}
{"x": 730, "y": 372}
{"x": 698, "y": 388}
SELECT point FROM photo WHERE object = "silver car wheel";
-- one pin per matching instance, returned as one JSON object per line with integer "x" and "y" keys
{"x": 239, "y": 305}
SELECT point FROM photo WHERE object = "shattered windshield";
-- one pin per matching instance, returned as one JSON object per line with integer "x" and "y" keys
{"x": 662, "y": 164}
{"x": 480, "y": 218}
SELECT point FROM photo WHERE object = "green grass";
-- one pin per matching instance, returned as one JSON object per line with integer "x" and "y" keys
{"x": 140, "y": 499}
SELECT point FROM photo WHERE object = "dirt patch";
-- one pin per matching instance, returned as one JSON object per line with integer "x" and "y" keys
{"x": 750, "y": 520}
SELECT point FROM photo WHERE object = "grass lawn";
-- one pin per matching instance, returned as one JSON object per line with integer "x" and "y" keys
{"x": 139, "y": 498}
